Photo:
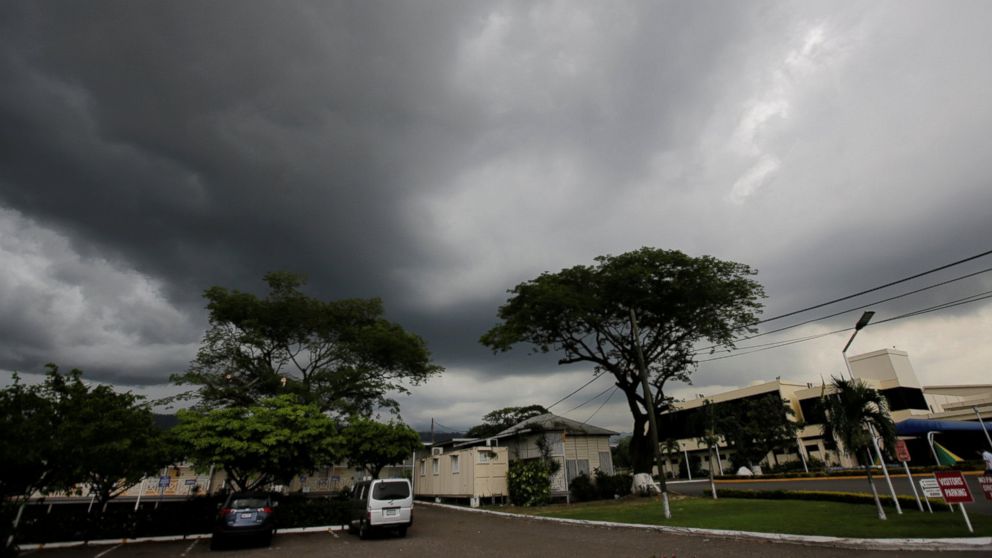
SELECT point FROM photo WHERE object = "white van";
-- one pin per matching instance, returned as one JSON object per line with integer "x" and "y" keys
{"x": 381, "y": 504}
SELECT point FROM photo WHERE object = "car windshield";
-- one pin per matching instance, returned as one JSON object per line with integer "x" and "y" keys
{"x": 239, "y": 503}
{"x": 391, "y": 491}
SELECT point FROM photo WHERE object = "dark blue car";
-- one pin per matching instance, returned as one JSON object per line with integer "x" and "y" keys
{"x": 244, "y": 516}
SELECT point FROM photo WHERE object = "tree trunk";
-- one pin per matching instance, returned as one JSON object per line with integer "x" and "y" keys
{"x": 871, "y": 483}
{"x": 641, "y": 454}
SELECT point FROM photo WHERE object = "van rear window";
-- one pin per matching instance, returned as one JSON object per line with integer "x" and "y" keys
{"x": 391, "y": 491}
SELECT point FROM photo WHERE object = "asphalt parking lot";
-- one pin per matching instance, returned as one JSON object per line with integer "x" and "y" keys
{"x": 447, "y": 532}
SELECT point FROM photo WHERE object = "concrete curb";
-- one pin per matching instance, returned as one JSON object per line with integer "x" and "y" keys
{"x": 173, "y": 538}
{"x": 965, "y": 543}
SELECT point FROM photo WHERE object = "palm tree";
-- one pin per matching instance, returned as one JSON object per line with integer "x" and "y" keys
{"x": 671, "y": 449}
{"x": 854, "y": 413}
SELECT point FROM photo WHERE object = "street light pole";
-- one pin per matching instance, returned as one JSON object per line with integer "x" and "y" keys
{"x": 862, "y": 322}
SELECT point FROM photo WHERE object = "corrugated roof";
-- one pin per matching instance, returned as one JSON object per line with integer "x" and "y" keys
{"x": 549, "y": 421}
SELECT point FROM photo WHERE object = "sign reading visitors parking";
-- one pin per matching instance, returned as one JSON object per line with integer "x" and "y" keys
{"x": 953, "y": 487}
{"x": 902, "y": 452}
{"x": 986, "y": 483}
{"x": 190, "y": 482}
{"x": 163, "y": 482}
{"x": 930, "y": 488}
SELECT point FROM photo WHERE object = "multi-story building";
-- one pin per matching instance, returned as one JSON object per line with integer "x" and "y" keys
{"x": 952, "y": 413}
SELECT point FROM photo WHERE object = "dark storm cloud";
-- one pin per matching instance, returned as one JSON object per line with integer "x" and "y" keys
{"x": 436, "y": 154}
{"x": 209, "y": 143}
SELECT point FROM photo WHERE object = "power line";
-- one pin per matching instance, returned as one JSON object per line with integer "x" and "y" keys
{"x": 880, "y": 287}
{"x": 615, "y": 388}
{"x": 448, "y": 428}
{"x": 590, "y": 400}
{"x": 583, "y": 386}
{"x": 943, "y": 306}
{"x": 835, "y": 314}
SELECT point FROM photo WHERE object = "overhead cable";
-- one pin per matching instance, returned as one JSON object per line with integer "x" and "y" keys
{"x": 878, "y": 288}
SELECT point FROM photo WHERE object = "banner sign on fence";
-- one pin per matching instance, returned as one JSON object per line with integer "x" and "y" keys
{"x": 953, "y": 487}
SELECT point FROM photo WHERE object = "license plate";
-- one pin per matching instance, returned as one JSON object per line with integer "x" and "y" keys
{"x": 390, "y": 512}
{"x": 247, "y": 515}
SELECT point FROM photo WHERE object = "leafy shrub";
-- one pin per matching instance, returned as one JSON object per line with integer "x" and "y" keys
{"x": 583, "y": 489}
{"x": 611, "y": 486}
{"x": 71, "y": 522}
{"x": 529, "y": 482}
{"x": 600, "y": 487}
{"x": 813, "y": 464}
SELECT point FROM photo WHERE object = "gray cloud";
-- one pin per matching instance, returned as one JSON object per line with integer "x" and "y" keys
{"x": 437, "y": 154}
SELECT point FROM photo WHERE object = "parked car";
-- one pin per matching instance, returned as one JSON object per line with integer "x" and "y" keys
{"x": 380, "y": 505}
{"x": 244, "y": 516}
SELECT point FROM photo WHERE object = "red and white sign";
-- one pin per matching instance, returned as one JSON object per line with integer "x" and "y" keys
{"x": 986, "y": 483}
{"x": 953, "y": 487}
{"x": 902, "y": 452}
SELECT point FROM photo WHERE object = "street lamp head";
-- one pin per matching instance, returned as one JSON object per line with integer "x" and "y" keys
{"x": 865, "y": 318}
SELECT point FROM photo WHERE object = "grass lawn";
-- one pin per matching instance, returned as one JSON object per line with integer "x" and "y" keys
{"x": 774, "y": 516}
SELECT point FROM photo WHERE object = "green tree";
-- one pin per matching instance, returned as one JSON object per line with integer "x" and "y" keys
{"x": 853, "y": 412}
{"x": 710, "y": 438}
{"x": 373, "y": 445}
{"x": 108, "y": 441}
{"x": 341, "y": 355}
{"x": 66, "y": 435}
{"x": 671, "y": 449}
{"x": 584, "y": 312}
{"x": 755, "y": 427}
{"x": 27, "y": 456}
{"x": 265, "y": 443}
{"x": 621, "y": 453}
{"x": 501, "y": 419}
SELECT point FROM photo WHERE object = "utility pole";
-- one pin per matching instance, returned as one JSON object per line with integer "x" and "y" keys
{"x": 649, "y": 406}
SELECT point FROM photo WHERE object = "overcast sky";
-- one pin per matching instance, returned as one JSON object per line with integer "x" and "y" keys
{"x": 435, "y": 154}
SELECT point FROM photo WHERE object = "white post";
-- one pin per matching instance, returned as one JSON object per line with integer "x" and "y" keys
{"x": 913, "y": 485}
{"x": 688, "y": 467}
{"x": 802, "y": 452}
{"x": 885, "y": 470}
{"x": 967, "y": 521}
{"x": 137, "y": 501}
{"x": 719, "y": 461}
{"x": 981, "y": 422}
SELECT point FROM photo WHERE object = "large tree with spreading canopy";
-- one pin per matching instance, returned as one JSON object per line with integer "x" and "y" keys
{"x": 341, "y": 355}
{"x": 584, "y": 312}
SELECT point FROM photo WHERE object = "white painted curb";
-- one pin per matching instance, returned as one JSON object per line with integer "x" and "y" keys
{"x": 200, "y": 536}
{"x": 964, "y": 543}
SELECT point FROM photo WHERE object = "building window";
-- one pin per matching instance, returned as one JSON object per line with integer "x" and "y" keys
{"x": 606, "y": 462}
{"x": 423, "y": 467}
{"x": 435, "y": 466}
{"x": 486, "y": 456}
{"x": 900, "y": 398}
{"x": 576, "y": 467}
{"x": 454, "y": 464}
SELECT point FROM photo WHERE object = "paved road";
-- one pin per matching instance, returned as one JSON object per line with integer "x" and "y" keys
{"x": 899, "y": 483}
{"x": 440, "y": 532}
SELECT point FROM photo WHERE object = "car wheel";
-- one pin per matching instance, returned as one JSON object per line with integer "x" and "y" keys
{"x": 267, "y": 539}
{"x": 363, "y": 531}
{"x": 402, "y": 531}
{"x": 216, "y": 542}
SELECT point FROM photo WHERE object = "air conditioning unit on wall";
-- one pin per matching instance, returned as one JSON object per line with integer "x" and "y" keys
{"x": 436, "y": 451}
